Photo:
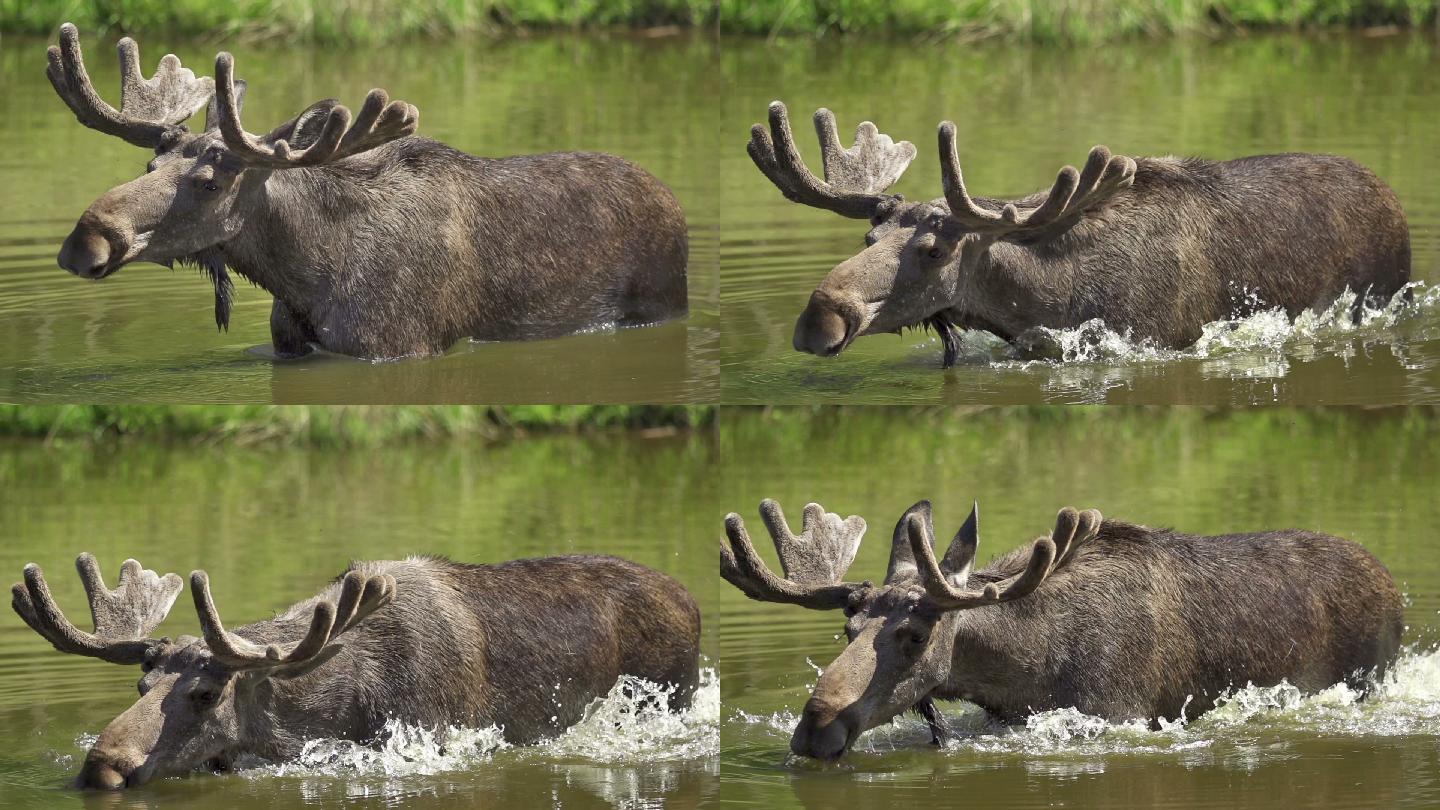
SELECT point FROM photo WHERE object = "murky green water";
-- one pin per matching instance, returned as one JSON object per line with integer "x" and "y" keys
{"x": 1366, "y": 476}
{"x": 271, "y": 526}
{"x": 1023, "y": 113}
{"x": 148, "y": 334}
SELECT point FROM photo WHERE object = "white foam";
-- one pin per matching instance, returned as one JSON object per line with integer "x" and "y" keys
{"x": 630, "y": 725}
{"x": 1258, "y": 345}
{"x": 1405, "y": 702}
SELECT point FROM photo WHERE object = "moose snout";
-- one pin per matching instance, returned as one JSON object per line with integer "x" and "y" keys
{"x": 95, "y": 245}
{"x": 826, "y": 326}
{"x": 823, "y": 733}
{"x": 87, "y": 251}
{"x": 106, "y": 771}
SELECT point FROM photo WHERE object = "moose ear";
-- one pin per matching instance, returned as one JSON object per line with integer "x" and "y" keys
{"x": 212, "y": 118}
{"x": 303, "y": 130}
{"x": 960, "y": 557}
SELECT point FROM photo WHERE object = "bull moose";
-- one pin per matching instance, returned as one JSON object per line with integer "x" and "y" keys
{"x": 1116, "y": 620}
{"x": 374, "y": 242}
{"x": 524, "y": 645}
{"x": 1155, "y": 247}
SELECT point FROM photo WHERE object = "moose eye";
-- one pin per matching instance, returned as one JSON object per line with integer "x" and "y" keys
{"x": 918, "y": 638}
{"x": 210, "y": 186}
{"x": 936, "y": 253}
{"x": 205, "y": 698}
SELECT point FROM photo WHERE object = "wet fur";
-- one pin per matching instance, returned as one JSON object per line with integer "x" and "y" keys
{"x": 407, "y": 248}
{"x": 1191, "y": 242}
{"x": 1139, "y": 619}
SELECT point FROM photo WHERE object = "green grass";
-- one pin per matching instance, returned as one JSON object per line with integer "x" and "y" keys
{"x": 1046, "y": 21}
{"x": 332, "y": 426}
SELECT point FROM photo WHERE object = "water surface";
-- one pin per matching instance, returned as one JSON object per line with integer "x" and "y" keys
{"x": 1366, "y": 476}
{"x": 148, "y": 334}
{"x": 1022, "y": 113}
{"x": 272, "y": 526}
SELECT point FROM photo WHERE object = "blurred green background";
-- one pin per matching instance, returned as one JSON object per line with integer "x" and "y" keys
{"x": 335, "y": 426}
{"x": 1036, "y": 20}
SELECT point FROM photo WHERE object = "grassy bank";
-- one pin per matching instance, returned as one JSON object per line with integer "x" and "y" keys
{"x": 1046, "y": 21}
{"x": 332, "y": 426}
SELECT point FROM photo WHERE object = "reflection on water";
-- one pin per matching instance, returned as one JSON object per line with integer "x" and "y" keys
{"x": 1022, "y": 113}
{"x": 1367, "y": 476}
{"x": 148, "y": 334}
{"x": 272, "y": 525}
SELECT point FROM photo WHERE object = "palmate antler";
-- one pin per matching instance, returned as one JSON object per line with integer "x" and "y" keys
{"x": 123, "y": 617}
{"x": 149, "y": 108}
{"x": 379, "y": 122}
{"x": 814, "y": 563}
{"x": 1072, "y": 194}
{"x": 1047, "y": 553}
{"x": 360, "y": 595}
{"x": 855, "y": 178}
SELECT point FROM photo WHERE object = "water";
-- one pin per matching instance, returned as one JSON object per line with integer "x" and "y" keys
{"x": 1367, "y": 476}
{"x": 148, "y": 333}
{"x": 272, "y": 525}
{"x": 1022, "y": 113}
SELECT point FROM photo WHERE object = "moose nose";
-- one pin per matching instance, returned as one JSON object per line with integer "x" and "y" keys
{"x": 821, "y": 734}
{"x": 85, "y": 253}
{"x": 99, "y": 775}
{"x": 821, "y": 330}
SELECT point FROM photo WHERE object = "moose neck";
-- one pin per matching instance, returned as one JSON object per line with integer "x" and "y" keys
{"x": 1007, "y": 288}
{"x": 278, "y": 715}
{"x": 995, "y": 646}
{"x": 295, "y": 239}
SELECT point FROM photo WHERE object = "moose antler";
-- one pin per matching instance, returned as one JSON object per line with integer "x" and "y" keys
{"x": 380, "y": 121}
{"x": 149, "y": 108}
{"x": 360, "y": 595}
{"x": 854, "y": 178}
{"x": 814, "y": 563}
{"x": 1071, "y": 529}
{"x": 123, "y": 617}
{"x": 1073, "y": 192}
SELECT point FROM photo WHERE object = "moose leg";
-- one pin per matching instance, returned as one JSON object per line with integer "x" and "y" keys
{"x": 939, "y": 728}
{"x": 289, "y": 334}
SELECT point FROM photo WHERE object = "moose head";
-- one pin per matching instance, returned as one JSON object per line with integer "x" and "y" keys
{"x": 202, "y": 700}
{"x": 901, "y": 634}
{"x": 925, "y": 263}
{"x": 200, "y": 189}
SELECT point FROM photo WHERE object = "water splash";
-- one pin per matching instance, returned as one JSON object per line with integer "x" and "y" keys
{"x": 629, "y": 725}
{"x": 1258, "y": 345}
{"x": 632, "y": 725}
{"x": 1405, "y": 702}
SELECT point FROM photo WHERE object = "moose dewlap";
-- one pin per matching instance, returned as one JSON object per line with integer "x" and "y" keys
{"x": 1156, "y": 247}
{"x": 523, "y": 645}
{"x": 373, "y": 241}
{"x": 1116, "y": 620}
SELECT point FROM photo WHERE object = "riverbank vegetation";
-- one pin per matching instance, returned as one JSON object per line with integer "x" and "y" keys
{"x": 338, "y": 426}
{"x": 1046, "y": 21}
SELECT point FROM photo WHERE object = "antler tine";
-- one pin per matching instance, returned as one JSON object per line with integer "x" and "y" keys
{"x": 123, "y": 618}
{"x": 854, "y": 178}
{"x": 1071, "y": 194}
{"x": 379, "y": 122}
{"x": 277, "y": 155}
{"x": 813, "y": 570}
{"x": 360, "y": 595}
{"x": 962, "y": 207}
{"x": 226, "y": 646}
{"x": 949, "y": 597}
{"x": 149, "y": 109}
